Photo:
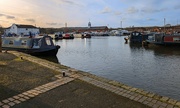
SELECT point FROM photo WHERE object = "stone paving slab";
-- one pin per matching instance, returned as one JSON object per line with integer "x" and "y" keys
{"x": 14, "y": 100}
{"x": 130, "y": 93}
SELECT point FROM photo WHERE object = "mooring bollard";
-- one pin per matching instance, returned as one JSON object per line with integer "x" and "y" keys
{"x": 64, "y": 74}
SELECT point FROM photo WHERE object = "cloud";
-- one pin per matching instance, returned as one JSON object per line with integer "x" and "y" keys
{"x": 177, "y": 7}
{"x": 117, "y": 13}
{"x": 7, "y": 16}
{"x": 152, "y": 10}
{"x": 10, "y": 17}
{"x": 52, "y": 23}
{"x": 105, "y": 10}
{"x": 151, "y": 19}
{"x": 132, "y": 10}
{"x": 70, "y": 2}
{"x": 31, "y": 20}
{"x": 1, "y": 15}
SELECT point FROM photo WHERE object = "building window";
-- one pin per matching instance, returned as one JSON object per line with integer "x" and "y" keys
{"x": 23, "y": 42}
{"x": 11, "y": 42}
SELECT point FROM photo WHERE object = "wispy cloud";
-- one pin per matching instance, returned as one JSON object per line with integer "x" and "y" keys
{"x": 7, "y": 16}
{"x": 31, "y": 20}
{"x": 132, "y": 10}
{"x": 177, "y": 7}
{"x": 152, "y": 10}
{"x": 52, "y": 23}
{"x": 105, "y": 10}
{"x": 117, "y": 13}
{"x": 10, "y": 17}
{"x": 69, "y": 2}
{"x": 151, "y": 19}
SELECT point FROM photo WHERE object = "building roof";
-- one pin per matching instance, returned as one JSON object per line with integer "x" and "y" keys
{"x": 99, "y": 27}
{"x": 25, "y": 26}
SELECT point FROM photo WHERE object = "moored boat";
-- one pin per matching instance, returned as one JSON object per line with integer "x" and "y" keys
{"x": 86, "y": 35}
{"x": 58, "y": 36}
{"x": 77, "y": 35}
{"x": 164, "y": 39}
{"x": 40, "y": 45}
{"x": 137, "y": 37}
{"x": 68, "y": 36}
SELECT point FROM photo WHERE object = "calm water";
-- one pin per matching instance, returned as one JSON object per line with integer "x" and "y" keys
{"x": 154, "y": 69}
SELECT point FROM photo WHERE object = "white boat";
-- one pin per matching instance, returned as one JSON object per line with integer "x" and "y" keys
{"x": 77, "y": 35}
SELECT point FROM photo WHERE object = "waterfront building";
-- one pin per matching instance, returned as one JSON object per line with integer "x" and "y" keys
{"x": 23, "y": 30}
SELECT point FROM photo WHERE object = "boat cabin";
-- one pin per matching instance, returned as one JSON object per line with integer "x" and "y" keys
{"x": 137, "y": 37}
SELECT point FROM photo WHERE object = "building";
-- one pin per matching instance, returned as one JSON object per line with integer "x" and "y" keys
{"x": 21, "y": 30}
{"x": 89, "y": 25}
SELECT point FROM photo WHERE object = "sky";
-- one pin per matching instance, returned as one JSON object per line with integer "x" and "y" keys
{"x": 77, "y": 13}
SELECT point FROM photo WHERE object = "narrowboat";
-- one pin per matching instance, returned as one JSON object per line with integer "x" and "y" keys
{"x": 39, "y": 45}
{"x": 58, "y": 36}
{"x": 86, "y": 35}
{"x": 137, "y": 37}
{"x": 164, "y": 39}
{"x": 68, "y": 36}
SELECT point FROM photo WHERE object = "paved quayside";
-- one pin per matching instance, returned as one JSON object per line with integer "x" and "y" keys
{"x": 131, "y": 93}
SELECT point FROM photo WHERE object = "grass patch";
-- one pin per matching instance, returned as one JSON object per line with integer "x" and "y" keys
{"x": 18, "y": 59}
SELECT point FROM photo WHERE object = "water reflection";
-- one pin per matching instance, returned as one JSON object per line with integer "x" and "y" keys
{"x": 157, "y": 49}
{"x": 165, "y": 50}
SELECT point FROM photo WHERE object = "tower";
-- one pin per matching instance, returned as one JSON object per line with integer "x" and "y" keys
{"x": 89, "y": 24}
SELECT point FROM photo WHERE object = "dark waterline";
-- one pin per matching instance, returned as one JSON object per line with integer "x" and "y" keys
{"x": 155, "y": 69}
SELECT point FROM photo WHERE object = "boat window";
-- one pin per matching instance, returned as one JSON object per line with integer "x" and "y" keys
{"x": 23, "y": 42}
{"x": 48, "y": 42}
{"x": 11, "y": 42}
{"x": 136, "y": 34}
{"x": 36, "y": 43}
{"x": 176, "y": 39}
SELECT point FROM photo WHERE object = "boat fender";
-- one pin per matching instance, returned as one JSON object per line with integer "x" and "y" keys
{"x": 126, "y": 40}
{"x": 58, "y": 46}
